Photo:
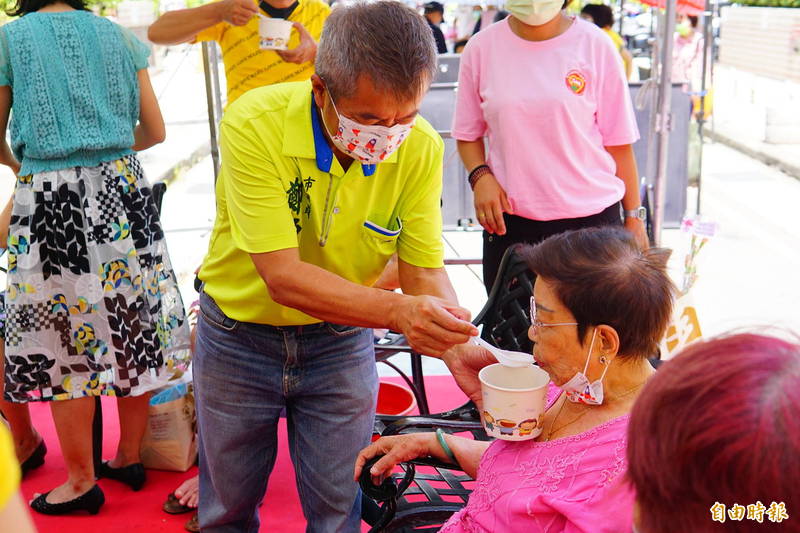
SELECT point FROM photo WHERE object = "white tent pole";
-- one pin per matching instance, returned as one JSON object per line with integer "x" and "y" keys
{"x": 211, "y": 74}
{"x": 708, "y": 44}
{"x": 650, "y": 99}
{"x": 663, "y": 122}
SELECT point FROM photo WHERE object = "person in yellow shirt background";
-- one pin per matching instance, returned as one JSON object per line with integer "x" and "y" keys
{"x": 234, "y": 25}
{"x": 14, "y": 517}
{"x": 603, "y": 18}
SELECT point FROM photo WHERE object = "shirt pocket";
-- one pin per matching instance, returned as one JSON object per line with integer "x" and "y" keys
{"x": 381, "y": 239}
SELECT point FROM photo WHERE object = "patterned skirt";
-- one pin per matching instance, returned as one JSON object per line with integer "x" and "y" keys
{"x": 92, "y": 303}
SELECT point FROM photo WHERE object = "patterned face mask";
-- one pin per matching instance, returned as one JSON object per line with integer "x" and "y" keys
{"x": 369, "y": 144}
{"x": 579, "y": 389}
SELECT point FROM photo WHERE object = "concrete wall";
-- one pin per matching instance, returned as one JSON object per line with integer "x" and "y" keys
{"x": 758, "y": 77}
{"x": 762, "y": 40}
{"x": 758, "y": 107}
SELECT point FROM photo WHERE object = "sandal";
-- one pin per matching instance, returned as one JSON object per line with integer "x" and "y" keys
{"x": 192, "y": 525}
{"x": 174, "y": 506}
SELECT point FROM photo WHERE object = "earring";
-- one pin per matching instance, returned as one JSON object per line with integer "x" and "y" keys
{"x": 603, "y": 359}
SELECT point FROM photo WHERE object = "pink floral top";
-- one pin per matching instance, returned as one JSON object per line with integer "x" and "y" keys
{"x": 573, "y": 484}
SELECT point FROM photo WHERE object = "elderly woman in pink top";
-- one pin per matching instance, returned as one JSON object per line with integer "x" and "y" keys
{"x": 601, "y": 307}
{"x": 549, "y": 94}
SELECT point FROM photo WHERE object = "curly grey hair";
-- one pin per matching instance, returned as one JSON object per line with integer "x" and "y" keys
{"x": 385, "y": 40}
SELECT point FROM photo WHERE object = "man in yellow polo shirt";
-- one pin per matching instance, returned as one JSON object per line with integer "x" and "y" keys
{"x": 234, "y": 25}
{"x": 322, "y": 181}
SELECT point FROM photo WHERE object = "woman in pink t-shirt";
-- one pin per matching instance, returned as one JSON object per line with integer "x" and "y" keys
{"x": 549, "y": 94}
{"x": 687, "y": 53}
{"x": 600, "y": 307}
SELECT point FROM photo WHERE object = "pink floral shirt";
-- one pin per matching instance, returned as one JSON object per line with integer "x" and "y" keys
{"x": 570, "y": 485}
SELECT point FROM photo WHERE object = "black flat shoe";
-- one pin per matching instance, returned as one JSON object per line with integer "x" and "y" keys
{"x": 90, "y": 501}
{"x": 35, "y": 460}
{"x": 131, "y": 475}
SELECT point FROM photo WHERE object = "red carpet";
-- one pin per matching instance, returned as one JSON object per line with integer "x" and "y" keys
{"x": 134, "y": 512}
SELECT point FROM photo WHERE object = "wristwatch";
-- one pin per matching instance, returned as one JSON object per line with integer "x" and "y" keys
{"x": 640, "y": 213}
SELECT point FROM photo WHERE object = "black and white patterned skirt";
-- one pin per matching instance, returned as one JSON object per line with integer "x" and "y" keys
{"x": 92, "y": 303}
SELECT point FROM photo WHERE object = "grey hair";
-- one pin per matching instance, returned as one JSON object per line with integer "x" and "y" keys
{"x": 385, "y": 40}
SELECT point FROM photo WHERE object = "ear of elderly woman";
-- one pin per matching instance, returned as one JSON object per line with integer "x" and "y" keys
{"x": 602, "y": 304}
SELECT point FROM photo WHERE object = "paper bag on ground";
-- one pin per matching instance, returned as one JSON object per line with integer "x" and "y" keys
{"x": 169, "y": 440}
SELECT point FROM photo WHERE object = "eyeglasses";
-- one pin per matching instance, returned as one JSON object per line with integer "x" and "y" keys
{"x": 536, "y": 324}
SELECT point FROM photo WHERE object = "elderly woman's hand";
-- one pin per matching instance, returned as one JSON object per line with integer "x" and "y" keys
{"x": 465, "y": 361}
{"x": 396, "y": 449}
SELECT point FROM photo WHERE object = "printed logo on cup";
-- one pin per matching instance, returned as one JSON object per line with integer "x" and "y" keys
{"x": 273, "y": 33}
{"x": 513, "y": 401}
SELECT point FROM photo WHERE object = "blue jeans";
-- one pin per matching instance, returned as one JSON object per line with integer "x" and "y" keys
{"x": 244, "y": 375}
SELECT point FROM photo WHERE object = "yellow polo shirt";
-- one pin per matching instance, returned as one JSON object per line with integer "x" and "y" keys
{"x": 247, "y": 66}
{"x": 281, "y": 187}
{"x": 9, "y": 468}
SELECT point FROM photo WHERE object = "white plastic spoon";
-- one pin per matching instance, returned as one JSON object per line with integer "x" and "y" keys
{"x": 505, "y": 357}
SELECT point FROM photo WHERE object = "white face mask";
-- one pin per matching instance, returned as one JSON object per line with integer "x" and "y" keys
{"x": 369, "y": 144}
{"x": 534, "y": 12}
{"x": 579, "y": 389}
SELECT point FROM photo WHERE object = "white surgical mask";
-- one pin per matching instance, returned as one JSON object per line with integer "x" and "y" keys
{"x": 534, "y": 12}
{"x": 369, "y": 144}
{"x": 579, "y": 389}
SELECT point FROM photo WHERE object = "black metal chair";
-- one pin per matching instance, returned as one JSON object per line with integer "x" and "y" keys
{"x": 428, "y": 492}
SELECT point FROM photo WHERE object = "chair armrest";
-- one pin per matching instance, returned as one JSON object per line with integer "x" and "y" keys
{"x": 388, "y": 489}
{"x": 418, "y": 424}
{"x": 465, "y": 413}
{"x": 386, "y": 493}
{"x": 390, "y": 492}
{"x": 392, "y": 348}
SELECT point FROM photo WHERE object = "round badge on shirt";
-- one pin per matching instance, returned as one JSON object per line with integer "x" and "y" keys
{"x": 576, "y": 82}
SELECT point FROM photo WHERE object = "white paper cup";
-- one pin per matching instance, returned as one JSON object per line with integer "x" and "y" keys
{"x": 273, "y": 34}
{"x": 513, "y": 401}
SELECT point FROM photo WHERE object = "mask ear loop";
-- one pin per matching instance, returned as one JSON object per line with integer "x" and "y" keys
{"x": 389, "y": 130}
{"x": 330, "y": 96}
{"x": 322, "y": 115}
{"x": 589, "y": 356}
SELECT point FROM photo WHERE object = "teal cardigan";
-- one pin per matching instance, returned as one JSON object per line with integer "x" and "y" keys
{"x": 75, "y": 89}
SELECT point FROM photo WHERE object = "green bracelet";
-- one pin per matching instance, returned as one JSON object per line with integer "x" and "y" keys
{"x": 445, "y": 447}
